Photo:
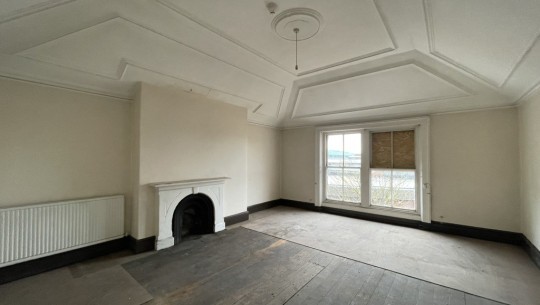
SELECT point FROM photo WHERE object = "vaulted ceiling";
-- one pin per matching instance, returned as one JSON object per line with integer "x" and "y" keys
{"x": 370, "y": 58}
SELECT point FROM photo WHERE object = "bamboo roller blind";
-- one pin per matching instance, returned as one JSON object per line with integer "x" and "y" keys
{"x": 393, "y": 149}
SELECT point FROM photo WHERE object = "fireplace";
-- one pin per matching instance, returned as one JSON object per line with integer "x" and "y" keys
{"x": 188, "y": 207}
{"x": 193, "y": 215}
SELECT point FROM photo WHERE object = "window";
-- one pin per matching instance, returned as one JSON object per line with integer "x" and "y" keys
{"x": 392, "y": 170}
{"x": 379, "y": 168}
{"x": 342, "y": 167}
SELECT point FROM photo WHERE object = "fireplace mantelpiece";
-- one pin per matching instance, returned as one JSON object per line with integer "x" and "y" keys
{"x": 169, "y": 195}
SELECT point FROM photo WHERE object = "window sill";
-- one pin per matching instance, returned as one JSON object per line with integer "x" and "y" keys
{"x": 413, "y": 215}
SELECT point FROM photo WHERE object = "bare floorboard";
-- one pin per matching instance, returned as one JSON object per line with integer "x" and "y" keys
{"x": 426, "y": 294}
{"x": 499, "y": 271}
{"x": 410, "y": 294}
{"x": 476, "y": 300}
{"x": 234, "y": 267}
{"x": 456, "y": 298}
{"x": 244, "y": 267}
{"x": 344, "y": 290}
{"x": 364, "y": 295}
{"x": 396, "y": 292}
{"x": 281, "y": 288}
{"x": 316, "y": 289}
{"x": 381, "y": 292}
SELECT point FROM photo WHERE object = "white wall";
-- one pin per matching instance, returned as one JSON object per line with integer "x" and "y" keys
{"x": 298, "y": 165}
{"x": 529, "y": 116}
{"x": 263, "y": 164}
{"x": 57, "y": 144}
{"x": 474, "y": 168}
{"x": 187, "y": 136}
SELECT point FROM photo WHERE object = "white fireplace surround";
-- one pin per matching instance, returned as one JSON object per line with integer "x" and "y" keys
{"x": 169, "y": 195}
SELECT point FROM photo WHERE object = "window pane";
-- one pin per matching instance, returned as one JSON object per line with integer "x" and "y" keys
{"x": 351, "y": 185}
{"x": 381, "y": 187}
{"x": 334, "y": 155}
{"x": 403, "y": 184}
{"x": 353, "y": 150}
{"x": 393, "y": 188}
{"x": 334, "y": 184}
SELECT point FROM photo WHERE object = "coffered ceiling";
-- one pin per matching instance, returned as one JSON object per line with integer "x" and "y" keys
{"x": 370, "y": 59}
{"x": 356, "y": 31}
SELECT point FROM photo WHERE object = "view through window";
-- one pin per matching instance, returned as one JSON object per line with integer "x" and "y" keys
{"x": 393, "y": 188}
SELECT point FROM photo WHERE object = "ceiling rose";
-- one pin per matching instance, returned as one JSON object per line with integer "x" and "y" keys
{"x": 307, "y": 22}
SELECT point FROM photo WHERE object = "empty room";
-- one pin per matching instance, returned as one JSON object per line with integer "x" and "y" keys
{"x": 270, "y": 152}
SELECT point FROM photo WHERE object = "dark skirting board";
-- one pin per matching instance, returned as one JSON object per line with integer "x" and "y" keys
{"x": 141, "y": 245}
{"x": 28, "y": 268}
{"x": 263, "y": 206}
{"x": 236, "y": 218}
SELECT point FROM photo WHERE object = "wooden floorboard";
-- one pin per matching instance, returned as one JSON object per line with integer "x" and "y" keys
{"x": 344, "y": 290}
{"x": 396, "y": 291}
{"x": 456, "y": 298}
{"x": 231, "y": 285}
{"x": 426, "y": 293}
{"x": 244, "y": 267}
{"x": 383, "y": 288}
{"x": 410, "y": 293}
{"x": 441, "y": 295}
{"x": 195, "y": 260}
{"x": 281, "y": 288}
{"x": 476, "y": 300}
{"x": 317, "y": 288}
{"x": 364, "y": 295}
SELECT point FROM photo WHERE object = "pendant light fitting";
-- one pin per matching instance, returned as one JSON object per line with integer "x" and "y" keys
{"x": 297, "y": 24}
{"x": 296, "y": 30}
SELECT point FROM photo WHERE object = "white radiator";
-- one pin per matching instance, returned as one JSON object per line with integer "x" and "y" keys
{"x": 33, "y": 231}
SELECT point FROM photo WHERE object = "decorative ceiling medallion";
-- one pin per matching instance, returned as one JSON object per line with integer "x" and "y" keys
{"x": 307, "y": 21}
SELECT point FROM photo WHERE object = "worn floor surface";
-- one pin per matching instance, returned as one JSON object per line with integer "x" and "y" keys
{"x": 97, "y": 281}
{"x": 236, "y": 266}
{"x": 497, "y": 271}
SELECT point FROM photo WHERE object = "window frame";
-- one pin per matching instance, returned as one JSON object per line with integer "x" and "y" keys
{"x": 422, "y": 174}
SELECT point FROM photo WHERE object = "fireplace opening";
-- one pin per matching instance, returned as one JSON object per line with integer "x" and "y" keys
{"x": 194, "y": 215}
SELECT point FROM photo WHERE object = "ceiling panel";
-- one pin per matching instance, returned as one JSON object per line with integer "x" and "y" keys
{"x": 134, "y": 73}
{"x": 351, "y": 29}
{"x": 488, "y": 38}
{"x": 16, "y": 67}
{"x": 103, "y": 48}
{"x": 402, "y": 111}
{"x": 526, "y": 76}
{"x": 10, "y": 9}
{"x": 405, "y": 84}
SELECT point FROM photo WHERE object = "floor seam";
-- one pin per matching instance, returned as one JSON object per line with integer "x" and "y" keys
{"x": 304, "y": 284}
